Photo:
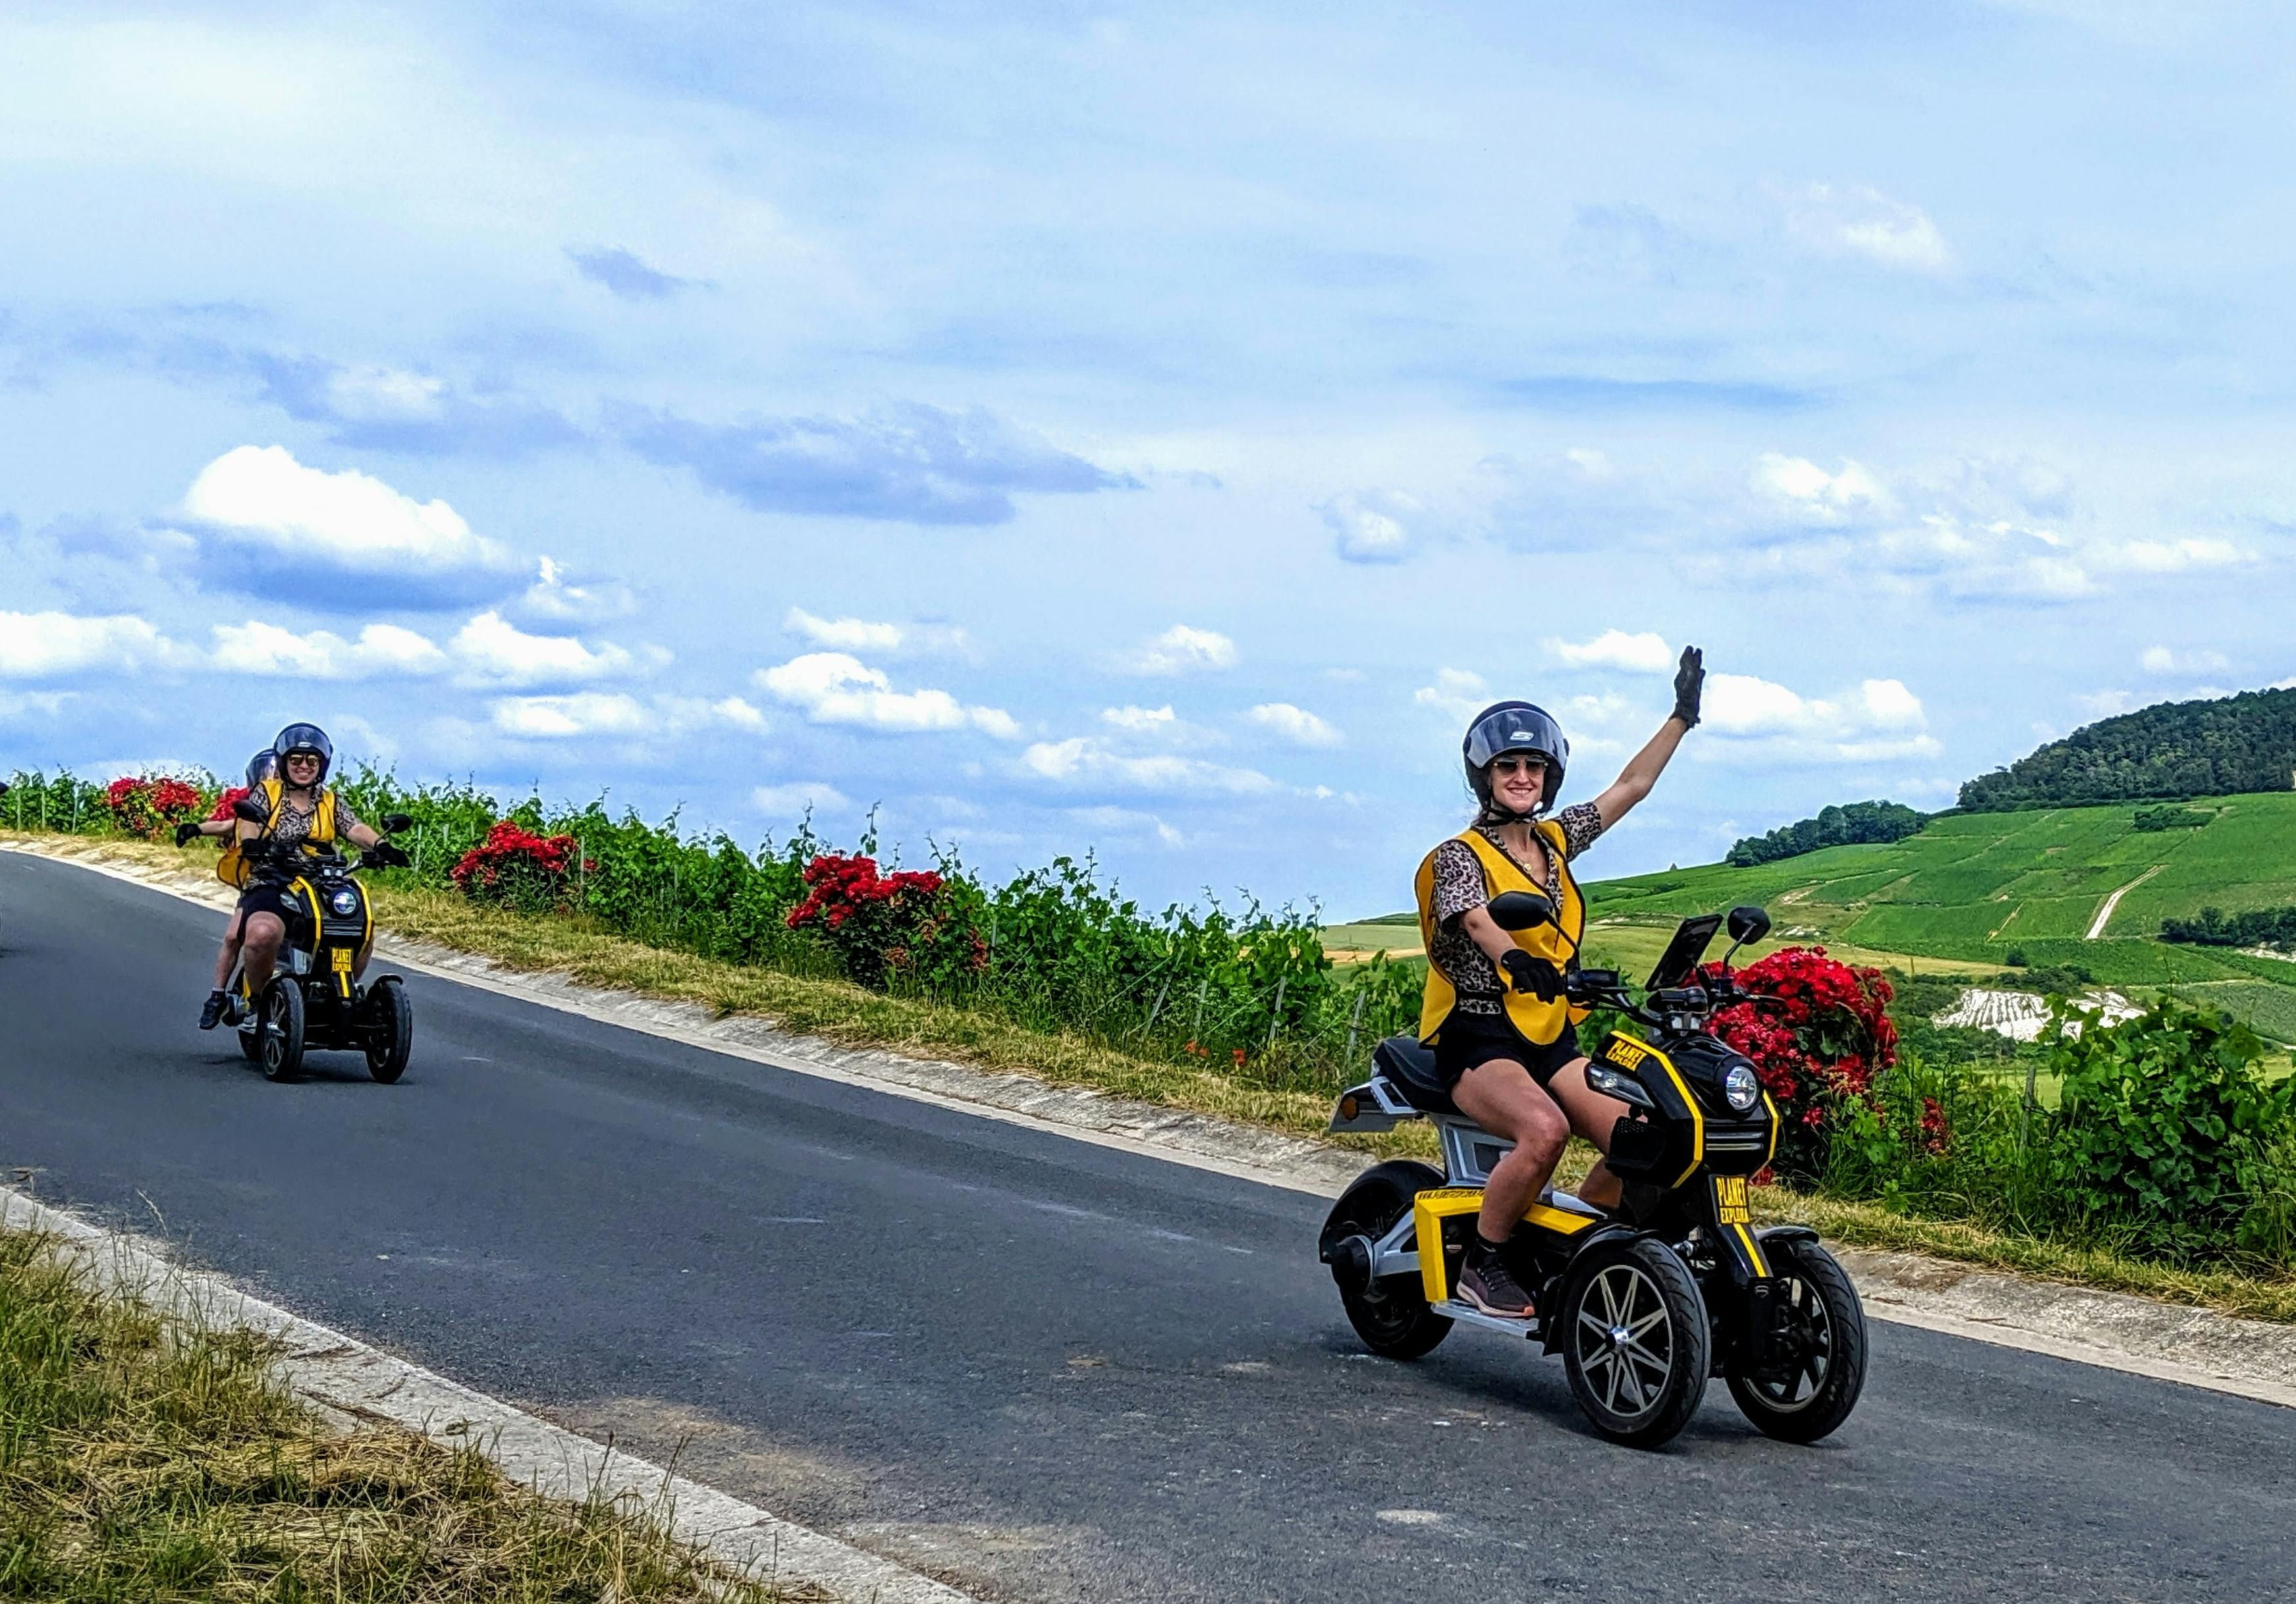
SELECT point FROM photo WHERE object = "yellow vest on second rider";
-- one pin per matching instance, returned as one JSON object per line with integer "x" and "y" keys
{"x": 1539, "y": 1021}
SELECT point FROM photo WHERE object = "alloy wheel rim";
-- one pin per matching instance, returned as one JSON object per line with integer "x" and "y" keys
{"x": 1788, "y": 1396}
{"x": 1625, "y": 1340}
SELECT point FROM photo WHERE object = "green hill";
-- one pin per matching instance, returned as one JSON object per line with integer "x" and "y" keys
{"x": 1980, "y": 887}
{"x": 2174, "y": 751}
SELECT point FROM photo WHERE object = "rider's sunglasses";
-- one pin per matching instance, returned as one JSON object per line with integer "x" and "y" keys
{"x": 1517, "y": 766}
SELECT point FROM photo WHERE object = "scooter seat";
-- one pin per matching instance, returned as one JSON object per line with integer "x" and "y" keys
{"x": 1410, "y": 1068}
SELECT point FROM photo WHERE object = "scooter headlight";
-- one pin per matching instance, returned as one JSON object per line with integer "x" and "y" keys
{"x": 345, "y": 901}
{"x": 1741, "y": 1088}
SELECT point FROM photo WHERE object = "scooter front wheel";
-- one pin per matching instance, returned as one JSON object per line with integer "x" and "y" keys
{"x": 1815, "y": 1391}
{"x": 391, "y": 1029}
{"x": 280, "y": 1036}
{"x": 1635, "y": 1344}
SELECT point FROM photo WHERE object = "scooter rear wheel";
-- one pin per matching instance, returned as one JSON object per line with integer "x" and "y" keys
{"x": 282, "y": 1036}
{"x": 1635, "y": 1344}
{"x": 390, "y": 1022}
{"x": 1390, "y": 1315}
{"x": 1825, "y": 1383}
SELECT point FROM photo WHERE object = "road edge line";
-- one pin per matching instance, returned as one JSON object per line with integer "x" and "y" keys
{"x": 350, "y": 1381}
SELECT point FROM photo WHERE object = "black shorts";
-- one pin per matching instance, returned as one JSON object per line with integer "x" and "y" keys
{"x": 1466, "y": 1040}
{"x": 261, "y": 898}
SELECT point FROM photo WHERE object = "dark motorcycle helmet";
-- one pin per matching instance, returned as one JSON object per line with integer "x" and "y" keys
{"x": 1515, "y": 726}
{"x": 262, "y": 766}
{"x": 304, "y": 738}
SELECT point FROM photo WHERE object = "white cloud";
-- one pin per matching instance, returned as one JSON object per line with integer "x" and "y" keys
{"x": 259, "y": 496}
{"x": 489, "y": 650}
{"x": 1880, "y": 720}
{"x": 861, "y": 635}
{"x": 1823, "y": 498}
{"x": 797, "y": 797}
{"x": 560, "y": 717}
{"x": 555, "y": 597}
{"x": 1855, "y": 220}
{"x": 2172, "y": 556}
{"x": 1181, "y": 650}
{"x": 1294, "y": 724}
{"x": 1129, "y": 819}
{"x": 383, "y": 395}
{"x": 1375, "y": 526}
{"x": 267, "y": 649}
{"x": 1142, "y": 721}
{"x": 1456, "y": 691}
{"x": 2105, "y": 704}
{"x": 834, "y": 688}
{"x": 1591, "y": 462}
{"x": 2160, "y": 660}
{"x": 1644, "y": 653}
{"x": 53, "y": 645}
{"x": 1083, "y": 760}
{"x": 741, "y": 715}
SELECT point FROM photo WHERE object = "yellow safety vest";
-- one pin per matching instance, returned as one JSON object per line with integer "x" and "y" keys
{"x": 322, "y": 821}
{"x": 1538, "y": 1022}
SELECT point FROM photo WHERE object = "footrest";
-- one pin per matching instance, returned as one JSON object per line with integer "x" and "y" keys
{"x": 1466, "y": 1313}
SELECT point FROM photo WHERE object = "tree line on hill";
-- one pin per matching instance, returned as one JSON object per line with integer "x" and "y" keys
{"x": 2259, "y": 927}
{"x": 1846, "y": 825}
{"x": 2168, "y": 753}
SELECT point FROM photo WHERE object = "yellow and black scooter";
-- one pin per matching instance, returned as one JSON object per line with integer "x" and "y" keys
{"x": 1644, "y": 1303}
{"x": 314, "y": 1000}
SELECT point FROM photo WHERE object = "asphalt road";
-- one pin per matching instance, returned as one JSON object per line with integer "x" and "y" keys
{"x": 1036, "y": 1367}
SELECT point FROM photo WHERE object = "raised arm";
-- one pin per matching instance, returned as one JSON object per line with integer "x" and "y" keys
{"x": 1644, "y": 768}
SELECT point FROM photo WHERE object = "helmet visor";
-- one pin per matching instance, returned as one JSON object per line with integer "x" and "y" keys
{"x": 1519, "y": 728}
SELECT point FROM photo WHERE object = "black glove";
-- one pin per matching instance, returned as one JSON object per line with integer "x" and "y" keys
{"x": 185, "y": 834}
{"x": 390, "y": 855}
{"x": 1689, "y": 682}
{"x": 1532, "y": 976}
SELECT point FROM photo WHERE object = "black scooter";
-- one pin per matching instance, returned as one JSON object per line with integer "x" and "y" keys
{"x": 312, "y": 1000}
{"x": 1644, "y": 1303}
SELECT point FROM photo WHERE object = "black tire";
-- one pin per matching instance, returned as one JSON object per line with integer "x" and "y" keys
{"x": 251, "y": 1043}
{"x": 1391, "y": 1316}
{"x": 1634, "y": 1340}
{"x": 391, "y": 1025}
{"x": 280, "y": 1037}
{"x": 1825, "y": 1388}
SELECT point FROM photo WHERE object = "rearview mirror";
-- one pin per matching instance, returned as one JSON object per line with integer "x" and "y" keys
{"x": 253, "y": 811}
{"x": 1520, "y": 910}
{"x": 1748, "y": 923}
{"x": 393, "y": 823}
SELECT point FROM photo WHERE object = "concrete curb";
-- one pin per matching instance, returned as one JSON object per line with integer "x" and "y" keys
{"x": 2194, "y": 1347}
{"x": 352, "y": 1383}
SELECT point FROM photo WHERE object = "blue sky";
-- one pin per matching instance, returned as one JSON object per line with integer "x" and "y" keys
{"x": 1149, "y": 429}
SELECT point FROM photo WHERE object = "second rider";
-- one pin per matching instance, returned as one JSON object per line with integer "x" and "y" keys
{"x": 1505, "y": 1041}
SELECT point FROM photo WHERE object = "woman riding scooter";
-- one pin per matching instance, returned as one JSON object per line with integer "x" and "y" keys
{"x": 1505, "y": 1041}
{"x": 306, "y": 817}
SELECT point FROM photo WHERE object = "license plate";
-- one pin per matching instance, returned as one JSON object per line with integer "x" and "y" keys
{"x": 341, "y": 958}
{"x": 1730, "y": 1200}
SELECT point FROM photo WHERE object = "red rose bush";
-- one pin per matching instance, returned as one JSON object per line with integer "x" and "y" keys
{"x": 517, "y": 868}
{"x": 1817, "y": 1040}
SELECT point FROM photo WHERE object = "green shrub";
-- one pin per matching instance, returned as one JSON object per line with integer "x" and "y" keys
{"x": 2169, "y": 816}
{"x": 2163, "y": 1130}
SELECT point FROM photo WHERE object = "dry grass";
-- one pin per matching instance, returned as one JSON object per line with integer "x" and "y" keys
{"x": 840, "y": 1012}
{"x": 144, "y": 1456}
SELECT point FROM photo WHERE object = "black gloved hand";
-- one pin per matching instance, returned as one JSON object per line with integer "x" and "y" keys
{"x": 1534, "y": 977}
{"x": 185, "y": 834}
{"x": 390, "y": 855}
{"x": 1689, "y": 683}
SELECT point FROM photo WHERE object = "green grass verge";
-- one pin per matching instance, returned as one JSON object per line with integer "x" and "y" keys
{"x": 146, "y": 1458}
{"x": 840, "y": 1012}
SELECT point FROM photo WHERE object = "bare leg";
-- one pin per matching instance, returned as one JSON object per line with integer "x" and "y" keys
{"x": 231, "y": 934}
{"x": 1592, "y": 1116}
{"x": 265, "y": 932}
{"x": 1501, "y": 1097}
